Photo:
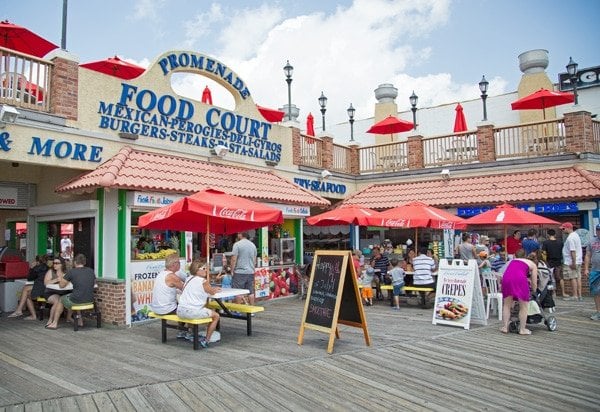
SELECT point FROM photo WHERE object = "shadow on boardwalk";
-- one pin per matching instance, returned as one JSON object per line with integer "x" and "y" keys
{"x": 411, "y": 365}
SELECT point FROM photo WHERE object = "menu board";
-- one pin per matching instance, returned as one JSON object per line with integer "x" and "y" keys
{"x": 333, "y": 297}
{"x": 458, "y": 298}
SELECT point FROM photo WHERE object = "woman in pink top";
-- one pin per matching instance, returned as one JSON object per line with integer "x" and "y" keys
{"x": 517, "y": 286}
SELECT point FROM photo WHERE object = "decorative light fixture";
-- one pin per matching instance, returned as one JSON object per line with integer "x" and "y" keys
{"x": 351, "y": 111}
{"x": 445, "y": 174}
{"x": 325, "y": 174}
{"x": 483, "y": 86}
{"x": 220, "y": 150}
{"x": 572, "y": 70}
{"x": 413, "y": 106}
{"x": 128, "y": 136}
{"x": 323, "y": 103}
{"x": 288, "y": 69}
{"x": 8, "y": 114}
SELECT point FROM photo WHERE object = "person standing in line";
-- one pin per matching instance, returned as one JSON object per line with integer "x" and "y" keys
{"x": 243, "y": 264}
{"x": 553, "y": 248}
{"x": 465, "y": 250}
{"x": 530, "y": 243}
{"x": 83, "y": 279}
{"x": 572, "y": 259}
{"x": 513, "y": 244}
{"x": 515, "y": 286}
{"x": 592, "y": 267}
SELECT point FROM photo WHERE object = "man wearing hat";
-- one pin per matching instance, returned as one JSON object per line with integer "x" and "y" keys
{"x": 572, "y": 260}
{"x": 592, "y": 267}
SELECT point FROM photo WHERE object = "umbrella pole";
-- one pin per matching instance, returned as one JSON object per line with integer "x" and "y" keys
{"x": 505, "y": 243}
{"x": 208, "y": 249}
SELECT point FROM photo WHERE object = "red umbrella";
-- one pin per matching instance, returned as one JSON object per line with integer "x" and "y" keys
{"x": 211, "y": 211}
{"x": 271, "y": 115}
{"x": 416, "y": 215}
{"x": 19, "y": 38}
{"x": 352, "y": 214}
{"x": 310, "y": 125}
{"x": 113, "y": 66}
{"x": 391, "y": 125}
{"x": 206, "y": 96}
{"x": 542, "y": 99}
{"x": 505, "y": 215}
{"x": 460, "y": 123}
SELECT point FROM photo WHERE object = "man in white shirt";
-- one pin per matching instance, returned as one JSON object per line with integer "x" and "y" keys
{"x": 572, "y": 260}
{"x": 423, "y": 267}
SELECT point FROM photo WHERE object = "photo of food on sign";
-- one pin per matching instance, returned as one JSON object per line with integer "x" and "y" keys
{"x": 448, "y": 308}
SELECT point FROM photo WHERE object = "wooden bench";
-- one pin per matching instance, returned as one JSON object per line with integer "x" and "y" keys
{"x": 180, "y": 321}
{"x": 228, "y": 310}
{"x": 77, "y": 308}
{"x": 421, "y": 291}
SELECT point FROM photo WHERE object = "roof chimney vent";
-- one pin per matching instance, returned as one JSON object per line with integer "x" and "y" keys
{"x": 533, "y": 61}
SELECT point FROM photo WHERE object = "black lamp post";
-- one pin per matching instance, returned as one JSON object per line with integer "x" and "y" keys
{"x": 351, "y": 111}
{"x": 572, "y": 70}
{"x": 288, "y": 69}
{"x": 323, "y": 103}
{"x": 413, "y": 103}
{"x": 483, "y": 86}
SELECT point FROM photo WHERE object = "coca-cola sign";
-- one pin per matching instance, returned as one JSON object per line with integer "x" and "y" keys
{"x": 396, "y": 223}
{"x": 237, "y": 214}
{"x": 446, "y": 225}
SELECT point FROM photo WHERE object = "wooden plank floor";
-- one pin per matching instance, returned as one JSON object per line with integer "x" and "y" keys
{"x": 411, "y": 365}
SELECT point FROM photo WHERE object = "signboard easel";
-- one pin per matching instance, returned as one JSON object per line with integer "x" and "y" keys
{"x": 333, "y": 297}
{"x": 458, "y": 295}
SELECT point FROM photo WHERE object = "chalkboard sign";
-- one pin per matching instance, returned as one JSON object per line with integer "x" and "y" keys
{"x": 325, "y": 279}
{"x": 333, "y": 296}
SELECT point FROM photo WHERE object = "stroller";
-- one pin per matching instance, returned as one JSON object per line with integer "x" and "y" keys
{"x": 540, "y": 301}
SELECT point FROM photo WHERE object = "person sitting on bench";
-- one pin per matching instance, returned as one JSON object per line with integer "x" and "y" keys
{"x": 424, "y": 266}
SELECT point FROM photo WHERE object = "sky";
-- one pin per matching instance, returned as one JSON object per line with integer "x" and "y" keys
{"x": 343, "y": 48}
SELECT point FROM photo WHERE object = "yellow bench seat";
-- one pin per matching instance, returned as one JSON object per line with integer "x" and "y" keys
{"x": 164, "y": 319}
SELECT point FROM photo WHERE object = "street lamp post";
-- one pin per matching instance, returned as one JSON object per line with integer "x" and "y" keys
{"x": 351, "y": 111}
{"x": 323, "y": 103}
{"x": 288, "y": 69}
{"x": 572, "y": 70}
{"x": 483, "y": 86}
{"x": 413, "y": 103}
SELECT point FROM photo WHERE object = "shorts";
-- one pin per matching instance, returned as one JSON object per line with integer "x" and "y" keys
{"x": 595, "y": 282}
{"x": 568, "y": 273}
{"x": 194, "y": 313}
{"x": 243, "y": 281}
{"x": 557, "y": 272}
{"x": 66, "y": 301}
{"x": 398, "y": 289}
{"x": 367, "y": 293}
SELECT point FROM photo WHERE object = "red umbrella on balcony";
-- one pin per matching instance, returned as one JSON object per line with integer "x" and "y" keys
{"x": 460, "y": 123}
{"x": 391, "y": 125}
{"x": 23, "y": 40}
{"x": 206, "y": 96}
{"x": 113, "y": 66}
{"x": 543, "y": 99}
{"x": 271, "y": 115}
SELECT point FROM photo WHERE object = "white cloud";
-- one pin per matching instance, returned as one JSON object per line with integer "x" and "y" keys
{"x": 147, "y": 9}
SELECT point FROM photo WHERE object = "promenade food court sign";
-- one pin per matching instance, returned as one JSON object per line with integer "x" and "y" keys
{"x": 174, "y": 119}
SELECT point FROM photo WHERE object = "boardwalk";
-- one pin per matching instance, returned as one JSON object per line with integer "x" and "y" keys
{"x": 412, "y": 365}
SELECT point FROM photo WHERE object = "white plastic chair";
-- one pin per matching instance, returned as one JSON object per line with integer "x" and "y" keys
{"x": 493, "y": 293}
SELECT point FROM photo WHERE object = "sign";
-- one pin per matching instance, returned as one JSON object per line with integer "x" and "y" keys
{"x": 320, "y": 186}
{"x": 151, "y": 199}
{"x": 585, "y": 78}
{"x": 458, "y": 295}
{"x": 538, "y": 208}
{"x": 291, "y": 210}
{"x": 333, "y": 297}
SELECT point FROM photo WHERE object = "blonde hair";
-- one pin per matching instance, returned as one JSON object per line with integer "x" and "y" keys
{"x": 171, "y": 260}
{"x": 196, "y": 265}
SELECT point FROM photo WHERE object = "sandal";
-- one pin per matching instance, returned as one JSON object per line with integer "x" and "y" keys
{"x": 504, "y": 330}
{"x": 15, "y": 315}
{"x": 525, "y": 332}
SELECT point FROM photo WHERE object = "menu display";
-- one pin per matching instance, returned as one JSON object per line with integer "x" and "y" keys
{"x": 326, "y": 274}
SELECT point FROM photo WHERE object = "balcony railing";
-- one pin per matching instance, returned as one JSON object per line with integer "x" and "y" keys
{"x": 311, "y": 151}
{"x": 388, "y": 157}
{"x": 530, "y": 140}
{"x": 341, "y": 159}
{"x": 24, "y": 80}
{"x": 451, "y": 149}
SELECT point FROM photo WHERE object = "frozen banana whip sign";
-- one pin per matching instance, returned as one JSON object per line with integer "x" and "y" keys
{"x": 458, "y": 299}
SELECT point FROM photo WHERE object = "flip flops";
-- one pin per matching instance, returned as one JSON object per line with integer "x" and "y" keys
{"x": 15, "y": 315}
{"x": 525, "y": 332}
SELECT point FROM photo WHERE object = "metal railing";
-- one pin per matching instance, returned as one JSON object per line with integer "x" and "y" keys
{"x": 24, "y": 80}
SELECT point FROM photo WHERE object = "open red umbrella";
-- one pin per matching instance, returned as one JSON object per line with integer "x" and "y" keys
{"x": 271, "y": 115}
{"x": 505, "y": 215}
{"x": 416, "y": 215}
{"x": 343, "y": 215}
{"x": 206, "y": 96}
{"x": 460, "y": 123}
{"x": 113, "y": 66}
{"x": 23, "y": 40}
{"x": 542, "y": 99}
{"x": 391, "y": 125}
{"x": 211, "y": 211}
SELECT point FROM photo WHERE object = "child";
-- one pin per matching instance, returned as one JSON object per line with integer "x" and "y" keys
{"x": 366, "y": 281}
{"x": 397, "y": 274}
{"x": 225, "y": 279}
{"x": 485, "y": 267}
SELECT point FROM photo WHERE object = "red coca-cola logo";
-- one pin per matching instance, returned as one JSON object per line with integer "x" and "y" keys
{"x": 395, "y": 223}
{"x": 239, "y": 214}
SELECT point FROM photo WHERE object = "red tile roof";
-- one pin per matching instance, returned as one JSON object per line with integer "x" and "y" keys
{"x": 572, "y": 183}
{"x": 139, "y": 170}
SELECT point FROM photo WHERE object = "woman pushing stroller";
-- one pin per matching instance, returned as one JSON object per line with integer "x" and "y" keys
{"x": 518, "y": 281}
